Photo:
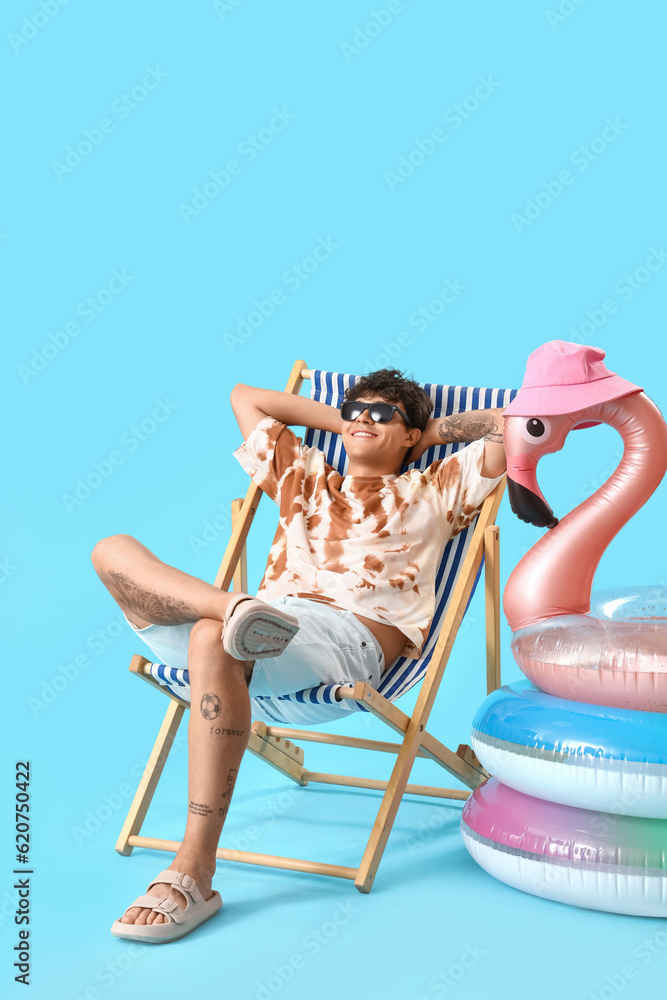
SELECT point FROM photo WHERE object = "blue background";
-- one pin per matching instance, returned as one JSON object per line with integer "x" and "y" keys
{"x": 353, "y": 101}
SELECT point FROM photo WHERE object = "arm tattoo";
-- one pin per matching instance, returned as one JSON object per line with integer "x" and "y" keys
{"x": 160, "y": 609}
{"x": 465, "y": 427}
{"x": 495, "y": 436}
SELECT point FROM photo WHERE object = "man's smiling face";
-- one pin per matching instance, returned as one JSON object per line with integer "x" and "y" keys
{"x": 374, "y": 448}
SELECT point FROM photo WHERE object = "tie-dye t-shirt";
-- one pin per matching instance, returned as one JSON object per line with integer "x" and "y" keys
{"x": 368, "y": 545}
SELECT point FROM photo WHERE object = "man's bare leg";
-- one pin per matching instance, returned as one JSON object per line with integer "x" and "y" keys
{"x": 152, "y": 592}
{"x": 215, "y": 748}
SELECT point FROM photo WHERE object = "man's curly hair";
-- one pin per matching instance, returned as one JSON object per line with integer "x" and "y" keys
{"x": 395, "y": 388}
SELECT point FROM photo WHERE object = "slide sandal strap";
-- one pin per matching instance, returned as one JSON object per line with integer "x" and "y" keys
{"x": 168, "y": 907}
{"x": 185, "y": 883}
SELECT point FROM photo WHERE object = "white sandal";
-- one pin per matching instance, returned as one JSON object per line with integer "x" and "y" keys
{"x": 253, "y": 630}
{"x": 179, "y": 921}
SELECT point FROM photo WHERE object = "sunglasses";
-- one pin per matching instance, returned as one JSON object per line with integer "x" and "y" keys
{"x": 380, "y": 413}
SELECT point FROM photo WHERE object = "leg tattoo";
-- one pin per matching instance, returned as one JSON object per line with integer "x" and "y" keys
{"x": 161, "y": 609}
{"x": 199, "y": 809}
{"x": 210, "y": 706}
{"x": 227, "y": 794}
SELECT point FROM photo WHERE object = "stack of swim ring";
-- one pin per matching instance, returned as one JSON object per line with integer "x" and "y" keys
{"x": 576, "y": 810}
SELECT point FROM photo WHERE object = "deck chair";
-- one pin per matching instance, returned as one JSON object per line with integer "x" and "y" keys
{"x": 459, "y": 570}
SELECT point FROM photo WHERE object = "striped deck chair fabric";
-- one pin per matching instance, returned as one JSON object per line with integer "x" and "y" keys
{"x": 318, "y": 705}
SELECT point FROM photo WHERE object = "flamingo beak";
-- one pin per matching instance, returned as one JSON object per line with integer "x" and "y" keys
{"x": 529, "y": 507}
{"x": 526, "y": 499}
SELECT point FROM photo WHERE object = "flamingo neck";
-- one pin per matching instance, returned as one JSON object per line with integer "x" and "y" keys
{"x": 555, "y": 577}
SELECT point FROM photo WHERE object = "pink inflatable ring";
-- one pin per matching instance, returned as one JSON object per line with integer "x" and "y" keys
{"x": 571, "y": 855}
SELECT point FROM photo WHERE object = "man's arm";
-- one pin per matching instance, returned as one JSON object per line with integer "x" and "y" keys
{"x": 471, "y": 426}
{"x": 251, "y": 405}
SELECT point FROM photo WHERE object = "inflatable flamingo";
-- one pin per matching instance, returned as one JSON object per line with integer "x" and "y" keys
{"x": 576, "y": 809}
{"x": 557, "y": 643}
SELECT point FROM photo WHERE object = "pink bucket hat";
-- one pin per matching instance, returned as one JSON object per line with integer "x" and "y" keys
{"x": 562, "y": 377}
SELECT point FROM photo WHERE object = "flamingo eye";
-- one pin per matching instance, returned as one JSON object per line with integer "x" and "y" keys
{"x": 536, "y": 430}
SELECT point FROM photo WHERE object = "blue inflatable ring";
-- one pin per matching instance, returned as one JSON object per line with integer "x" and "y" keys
{"x": 591, "y": 756}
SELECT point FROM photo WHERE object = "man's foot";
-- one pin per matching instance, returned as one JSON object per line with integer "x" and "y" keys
{"x": 145, "y": 915}
{"x": 253, "y": 630}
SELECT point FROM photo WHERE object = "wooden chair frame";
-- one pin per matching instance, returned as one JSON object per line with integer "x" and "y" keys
{"x": 275, "y": 744}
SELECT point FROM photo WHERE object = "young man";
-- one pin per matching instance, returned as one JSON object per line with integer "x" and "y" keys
{"x": 349, "y": 586}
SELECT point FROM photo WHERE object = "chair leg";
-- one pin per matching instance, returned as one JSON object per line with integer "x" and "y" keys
{"x": 388, "y": 808}
{"x": 492, "y": 601}
{"x": 467, "y": 754}
{"x": 150, "y": 777}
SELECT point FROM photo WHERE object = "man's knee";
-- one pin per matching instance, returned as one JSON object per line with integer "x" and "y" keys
{"x": 107, "y": 551}
{"x": 206, "y": 634}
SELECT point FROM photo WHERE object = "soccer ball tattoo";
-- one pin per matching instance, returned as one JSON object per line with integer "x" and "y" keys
{"x": 210, "y": 706}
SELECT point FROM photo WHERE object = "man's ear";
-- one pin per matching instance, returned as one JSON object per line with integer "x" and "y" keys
{"x": 412, "y": 437}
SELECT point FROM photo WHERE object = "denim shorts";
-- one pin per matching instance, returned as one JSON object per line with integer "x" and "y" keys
{"x": 331, "y": 647}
